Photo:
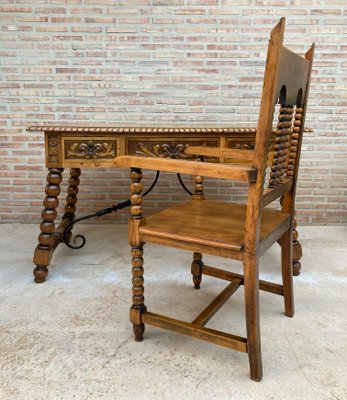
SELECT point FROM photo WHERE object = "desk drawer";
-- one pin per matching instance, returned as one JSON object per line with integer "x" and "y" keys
{"x": 172, "y": 147}
{"x": 89, "y": 151}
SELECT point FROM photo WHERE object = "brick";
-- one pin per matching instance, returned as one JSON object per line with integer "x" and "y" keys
{"x": 15, "y": 9}
{"x": 86, "y": 11}
{"x": 50, "y": 10}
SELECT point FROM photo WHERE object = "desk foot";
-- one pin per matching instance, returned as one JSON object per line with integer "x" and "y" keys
{"x": 40, "y": 273}
{"x": 42, "y": 258}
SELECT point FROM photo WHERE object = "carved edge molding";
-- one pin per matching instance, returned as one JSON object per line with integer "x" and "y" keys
{"x": 136, "y": 130}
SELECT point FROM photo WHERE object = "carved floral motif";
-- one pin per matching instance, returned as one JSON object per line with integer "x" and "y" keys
{"x": 171, "y": 150}
{"x": 91, "y": 150}
{"x": 166, "y": 150}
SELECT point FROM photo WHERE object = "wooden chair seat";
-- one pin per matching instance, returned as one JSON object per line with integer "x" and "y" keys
{"x": 216, "y": 225}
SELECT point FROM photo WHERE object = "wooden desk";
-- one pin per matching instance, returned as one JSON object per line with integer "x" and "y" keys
{"x": 96, "y": 147}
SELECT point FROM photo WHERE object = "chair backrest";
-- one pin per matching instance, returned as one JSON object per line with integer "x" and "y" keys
{"x": 286, "y": 82}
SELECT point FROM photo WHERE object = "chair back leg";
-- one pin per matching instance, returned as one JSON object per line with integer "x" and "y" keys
{"x": 196, "y": 269}
{"x": 287, "y": 273}
{"x": 251, "y": 294}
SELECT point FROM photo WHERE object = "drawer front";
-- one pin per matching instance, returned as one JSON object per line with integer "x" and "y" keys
{"x": 167, "y": 148}
{"x": 89, "y": 151}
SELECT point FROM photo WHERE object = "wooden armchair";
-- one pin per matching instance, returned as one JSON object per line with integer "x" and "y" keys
{"x": 236, "y": 231}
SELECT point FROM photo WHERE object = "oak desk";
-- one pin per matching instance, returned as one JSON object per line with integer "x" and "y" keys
{"x": 96, "y": 147}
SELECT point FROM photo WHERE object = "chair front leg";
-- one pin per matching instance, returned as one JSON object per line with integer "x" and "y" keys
{"x": 196, "y": 269}
{"x": 138, "y": 306}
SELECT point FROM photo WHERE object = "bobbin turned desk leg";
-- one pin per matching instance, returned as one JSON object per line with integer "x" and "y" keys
{"x": 45, "y": 248}
{"x": 70, "y": 205}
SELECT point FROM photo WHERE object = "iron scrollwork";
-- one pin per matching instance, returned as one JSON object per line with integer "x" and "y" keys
{"x": 100, "y": 213}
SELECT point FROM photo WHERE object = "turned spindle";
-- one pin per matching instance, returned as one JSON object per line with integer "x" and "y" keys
{"x": 294, "y": 141}
{"x": 198, "y": 184}
{"x": 198, "y": 188}
{"x": 281, "y": 146}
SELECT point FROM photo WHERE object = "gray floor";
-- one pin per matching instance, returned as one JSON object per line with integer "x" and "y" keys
{"x": 70, "y": 337}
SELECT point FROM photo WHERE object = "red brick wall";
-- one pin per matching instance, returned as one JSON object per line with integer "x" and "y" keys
{"x": 106, "y": 61}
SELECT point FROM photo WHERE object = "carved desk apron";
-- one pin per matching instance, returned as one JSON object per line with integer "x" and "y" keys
{"x": 77, "y": 147}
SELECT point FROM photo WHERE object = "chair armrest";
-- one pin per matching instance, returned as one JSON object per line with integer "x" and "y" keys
{"x": 218, "y": 152}
{"x": 272, "y": 194}
{"x": 213, "y": 170}
{"x": 239, "y": 154}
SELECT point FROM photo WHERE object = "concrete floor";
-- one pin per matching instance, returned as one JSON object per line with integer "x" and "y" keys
{"x": 70, "y": 337}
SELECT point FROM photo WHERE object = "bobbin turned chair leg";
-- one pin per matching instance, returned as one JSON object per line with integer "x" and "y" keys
{"x": 197, "y": 263}
{"x": 138, "y": 306}
{"x": 138, "y": 299}
{"x": 297, "y": 251}
{"x": 196, "y": 269}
